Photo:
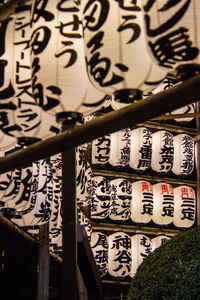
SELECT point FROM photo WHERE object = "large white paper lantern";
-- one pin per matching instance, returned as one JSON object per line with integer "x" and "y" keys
{"x": 184, "y": 206}
{"x": 115, "y": 49}
{"x": 120, "y": 148}
{"x": 163, "y": 203}
{"x": 59, "y": 76}
{"x": 162, "y": 151}
{"x": 121, "y": 194}
{"x": 100, "y": 198}
{"x": 142, "y": 202}
{"x": 101, "y": 150}
{"x": 119, "y": 254}
{"x": 183, "y": 163}
{"x": 99, "y": 246}
{"x": 172, "y": 29}
{"x": 140, "y": 149}
{"x": 158, "y": 241}
{"x": 140, "y": 248}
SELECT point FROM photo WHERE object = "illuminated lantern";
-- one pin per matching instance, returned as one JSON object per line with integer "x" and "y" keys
{"x": 172, "y": 31}
{"x": 140, "y": 149}
{"x": 158, "y": 241}
{"x": 101, "y": 150}
{"x": 183, "y": 163}
{"x": 142, "y": 202}
{"x": 58, "y": 61}
{"x": 184, "y": 206}
{"x": 140, "y": 248}
{"x": 100, "y": 198}
{"x": 83, "y": 179}
{"x": 120, "y": 148}
{"x": 99, "y": 246}
{"x": 120, "y": 198}
{"x": 119, "y": 254}
{"x": 163, "y": 204}
{"x": 162, "y": 151}
{"x": 116, "y": 51}
{"x": 83, "y": 220}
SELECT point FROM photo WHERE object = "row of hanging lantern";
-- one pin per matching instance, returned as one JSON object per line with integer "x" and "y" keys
{"x": 141, "y": 150}
{"x": 120, "y": 254}
{"x": 141, "y": 202}
{"x": 49, "y": 40}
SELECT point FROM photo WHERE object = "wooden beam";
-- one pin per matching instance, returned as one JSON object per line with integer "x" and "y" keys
{"x": 156, "y": 105}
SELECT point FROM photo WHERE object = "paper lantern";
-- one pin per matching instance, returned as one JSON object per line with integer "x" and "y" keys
{"x": 172, "y": 31}
{"x": 163, "y": 204}
{"x": 83, "y": 179}
{"x": 184, "y": 206}
{"x": 59, "y": 76}
{"x": 158, "y": 241}
{"x": 99, "y": 246}
{"x": 119, "y": 254}
{"x": 142, "y": 202}
{"x": 140, "y": 248}
{"x": 83, "y": 220}
{"x": 183, "y": 163}
{"x": 120, "y": 148}
{"x": 101, "y": 150}
{"x": 100, "y": 198}
{"x": 162, "y": 151}
{"x": 140, "y": 149}
{"x": 120, "y": 198}
{"x": 116, "y": 51}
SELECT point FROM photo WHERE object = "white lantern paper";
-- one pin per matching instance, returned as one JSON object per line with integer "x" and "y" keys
{"x": 162, "y": 151}
{"x": 172, "y": 31}
{"x": 163, "y": 204}
{"x": 121, "y": 194}
{"x": 119, "y": 254}
{"x": 183, "y": 163}
{"x": 140, "y": 248}
{"x": 58, "y": 62}
{"x": 142, "y": 202}
{"x": 158, "y": 241}
{"x": 115, "y": 46}
{"x": 141, "y": 149}
{"x": 101, "y": 150}
{"x": 83, "y": 220}
{"x": 99, "y": 246}
{"x": 100, "y": 198}
{"x": 120, "y": 148}
{"x": 83, "y": 179}
{"x": 184, "y": 207}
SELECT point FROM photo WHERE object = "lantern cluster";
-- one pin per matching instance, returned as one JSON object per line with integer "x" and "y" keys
{"x": 142, "y": 150}
{"x": 141, "y": 202}
{"x": 120, "y": 254}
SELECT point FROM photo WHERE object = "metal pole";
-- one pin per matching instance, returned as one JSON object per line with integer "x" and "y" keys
{"x": 166, "y": 101}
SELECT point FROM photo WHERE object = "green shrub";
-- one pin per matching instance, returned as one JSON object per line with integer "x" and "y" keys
{"x": 171, "y": 271}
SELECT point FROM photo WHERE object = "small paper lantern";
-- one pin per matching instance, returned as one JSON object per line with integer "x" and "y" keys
{"x": 172, "y": 30}
{"x": 183, "y": 163}
{"x": 101, "y": 150}
{"x": 57, "y": 44}
{"x": 121, "y": 193}
{"x": 120, "y": 148}
{"x": 83, "y": 179}
{"x": 100, "y": 198}
{"x": 140, "y": 149}
{"x": 99, "y": 246}
{"x": 114, "y": 25}
{"x": 162, "y": 151}
{"x": 140, "y": 248}
{"x": 163, "y": 204}
{"x": 184, "y": 206}
{"x": 119, "y": 254}
{"x": 158, "y": 241}
{"x": 142, "y": 202}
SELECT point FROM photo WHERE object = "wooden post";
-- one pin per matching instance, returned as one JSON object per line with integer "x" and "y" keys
{"x": 198, "y": 165}
{"x": 43, "y": 263}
